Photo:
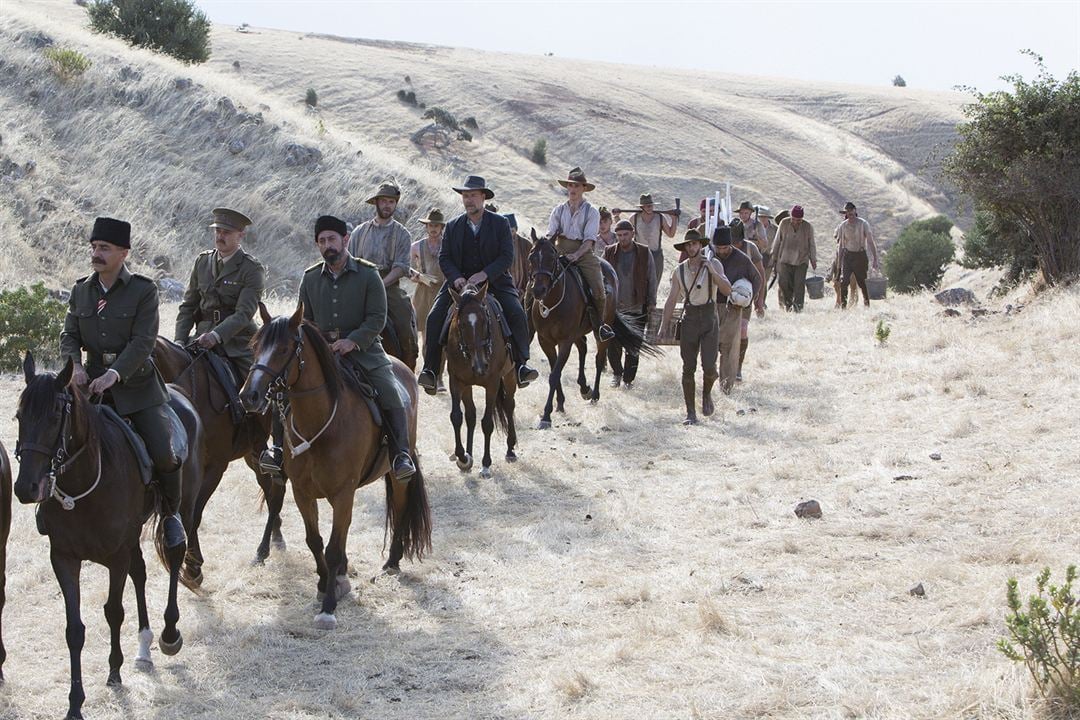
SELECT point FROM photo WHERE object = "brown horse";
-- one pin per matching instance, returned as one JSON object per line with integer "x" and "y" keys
{"x": 5, "y": 530}
{"x": 559, "y": 315}
{"x": 477, "y": 354}
{"x": 519, "y": 269}
{"x": 332, "y": 447}
{"x": 81, "y": 469}
{"x": 223, "y": 442}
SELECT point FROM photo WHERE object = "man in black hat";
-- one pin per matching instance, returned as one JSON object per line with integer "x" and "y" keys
{"x": 113, "y": 315}
{"x": 385, "y": 242}
{"x": 857, "y": 252}
{"x": 633, "y": 264}
{"x": 477, "y": 248}
{"x": 696, "y": 281}
{"x": 737, "y": 266}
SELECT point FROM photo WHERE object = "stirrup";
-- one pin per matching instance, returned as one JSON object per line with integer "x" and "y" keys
{"x": 526, "y": 375}
{"x": 404, "y": 468}
{"x": 270, "y": 460}
{"x": 429, "y": 381}
{"x": 605, "y": 332}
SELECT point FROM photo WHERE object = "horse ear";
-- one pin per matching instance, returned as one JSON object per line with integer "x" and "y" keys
{"x": 297, "y": 316}
{"x": 454, "y": 295}
{"x": 28, "y": 366}
{"x": 65, "y": 375}
{"x": 264, "y": 314}
{"x": 535, "y": 239}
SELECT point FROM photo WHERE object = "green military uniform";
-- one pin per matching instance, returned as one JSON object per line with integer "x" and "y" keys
{"x": 222, "y": 298}
{"x": 352, "y": 306}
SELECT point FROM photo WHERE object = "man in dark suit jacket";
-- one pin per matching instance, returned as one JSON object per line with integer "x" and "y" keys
{"x": 477, "y": 247}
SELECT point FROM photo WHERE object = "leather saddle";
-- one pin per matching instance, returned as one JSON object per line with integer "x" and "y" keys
{"x": 146, "y": 466}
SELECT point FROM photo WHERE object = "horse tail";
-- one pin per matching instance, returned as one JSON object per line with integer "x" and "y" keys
{"x": 631, "y": 338}
{"x": 502, "y": 412}
{"x": 159, "y": 539}
{"x": 414, "y": 528}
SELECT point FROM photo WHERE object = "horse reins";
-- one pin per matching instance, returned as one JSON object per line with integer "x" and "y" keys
{"x": 60, "y": 461}
{"x": 544, "y": 309}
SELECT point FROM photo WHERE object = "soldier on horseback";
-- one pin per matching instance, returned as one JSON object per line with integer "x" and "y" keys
{"x": 478, "y": 247}
{"x": 113, "y": 315}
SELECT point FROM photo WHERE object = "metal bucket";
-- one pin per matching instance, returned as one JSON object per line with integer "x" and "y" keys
{"x": 815, "y": 287}
{"x": 876, "y": 287}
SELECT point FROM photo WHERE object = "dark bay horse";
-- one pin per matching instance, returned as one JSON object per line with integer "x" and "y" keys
{"x": 477, "y": 354}
{"x": 559, "y": 316}
{"x": 332, "y": 447}
{"x": 84, "y": 471}
{"x": 223, "y": 442}
{"x": 5, "y": 530}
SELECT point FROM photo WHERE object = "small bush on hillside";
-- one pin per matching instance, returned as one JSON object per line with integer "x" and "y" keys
{"x": 539, "y": 152}
{"x": 919, "y": 257}
{"x": 66, "y": 63}
{"x": 407, "y": 96}
{"x": 470, "y": 122}
{"x": 881, "y": 332}
{"x": 29, "y": 320}
{"x": 312, "y": 98}
{"x": 899, "y": 82}
{"x": 1047, "y": 637}
{"x": 441, "y": 117}
{"x": 173, "y": 27}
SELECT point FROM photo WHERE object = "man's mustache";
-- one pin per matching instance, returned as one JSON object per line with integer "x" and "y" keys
{"x": 331, "y": 255}
{"x": 97, "y": 261}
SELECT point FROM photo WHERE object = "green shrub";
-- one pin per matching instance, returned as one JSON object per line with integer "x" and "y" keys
{"x": 881, "y": 332}
{"x": 173, "y": 27}
{"x": 899, "y": 82}
{"x": 312, "y": 98}
{"x": 919, "y": 257}
{"x": 66, "y": 63}
{"x": 539, "y": 152}
{"x": 1047, "y": 637}
{"x": 995, "y": 242}
{"x": 407, "y": 96}
{"x": 29, "y": 320}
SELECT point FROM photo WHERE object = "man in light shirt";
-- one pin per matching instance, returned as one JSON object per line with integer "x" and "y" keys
{"x": 650, "y": 228}
{"x": 793, "y": 248}
{"x": 857, "y": 252}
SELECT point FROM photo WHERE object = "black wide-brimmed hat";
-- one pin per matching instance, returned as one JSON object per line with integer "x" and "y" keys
{"x": 114, "y": 232}
{"x": 229, "y": 219}
{"x": 475, "y": 182}
{"x": 690, "y": 236}
{"x": 848, "y": 206}
{"x": 721, "y": 236}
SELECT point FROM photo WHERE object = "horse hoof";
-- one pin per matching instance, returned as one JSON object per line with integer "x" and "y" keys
{"x": 485, "y": 473}
{"x": 544, "y": 425}
{"x": 586, "y": 392}
{"x": 560, "y": 409}
{"x": 114, "y": 679}
{"x": 466, "y": 464}
{"x": 171, "y": 648}
{"x": 144, "y": 665}
{"x": 259, "y": 560}
{"x": 73, "y": 715}
{"x": 593, "y": 401}
{"x": 510, "y": 456}
{"x": 325, "y": 621}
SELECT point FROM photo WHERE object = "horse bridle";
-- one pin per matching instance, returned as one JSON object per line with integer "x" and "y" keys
{"x": 279, "y": 384}
{"x": 60, "y": 461}
{"x": 487, "y": 345}
{"x": 557, "y": 275}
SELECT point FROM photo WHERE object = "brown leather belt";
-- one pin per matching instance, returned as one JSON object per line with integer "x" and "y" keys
{"x": 216, "y": 316}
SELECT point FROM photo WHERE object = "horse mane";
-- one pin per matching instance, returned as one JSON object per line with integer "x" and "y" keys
{"x": 278, "y": 331}
{"x": 38, "y": 400}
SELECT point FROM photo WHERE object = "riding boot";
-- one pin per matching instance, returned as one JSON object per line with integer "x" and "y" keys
{"x": 706, "y": 395}
{"x": 688, "y": 397}
{"x": 169, "y": 486}
{"x": 396, "y": 424}
{"x": 270, "y": 461}
{"x": 742, "y": 354}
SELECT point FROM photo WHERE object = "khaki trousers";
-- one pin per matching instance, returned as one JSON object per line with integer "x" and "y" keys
{"x": 589, "y": 265}
{"x": 730, "y": 319}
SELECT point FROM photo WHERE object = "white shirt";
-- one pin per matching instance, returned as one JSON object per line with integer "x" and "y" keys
{"x": 581, "y": 225}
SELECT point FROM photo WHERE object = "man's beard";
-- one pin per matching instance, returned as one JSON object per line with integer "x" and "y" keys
{"x": 331, "y": 256}
{"x": 384, "y": 214}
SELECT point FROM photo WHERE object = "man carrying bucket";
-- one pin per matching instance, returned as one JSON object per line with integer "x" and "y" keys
{"x": 793, "y": 248}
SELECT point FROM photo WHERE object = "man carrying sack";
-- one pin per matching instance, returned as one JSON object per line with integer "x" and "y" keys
{"x": 737, "y": 266}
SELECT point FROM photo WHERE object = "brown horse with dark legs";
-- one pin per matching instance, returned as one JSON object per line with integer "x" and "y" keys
{"x": 332, "y": 447}
{"x": 94, "y": 505}
{"x": 5, "y": 530}
{"x": 223, "y": 442}
{"x": 559, "y": 315}
{"x": 477, "y": 353}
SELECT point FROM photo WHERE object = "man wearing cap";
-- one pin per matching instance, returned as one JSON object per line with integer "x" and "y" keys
{"x": 857, "y": 250}
{"x": 696, "y": 280}
{"x": 344, "y": 297}
{"x": 385, "y": 242}
{"x": 573, "y": 226}
{"x": 113, "y": 315}
{"x": 793, "y": 248}
{"x": 426, "y": 272}
{"x": 650, "y": 228}
{"x": 633, "y": 265}
{"x": 606, "y": 237}
{"x": 477, "y": 248}
{"x": 223, "y": 293}
{"x": 737, "y": 266}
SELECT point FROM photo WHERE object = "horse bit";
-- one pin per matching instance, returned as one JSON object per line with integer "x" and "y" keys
{"x": 60, "y": 460}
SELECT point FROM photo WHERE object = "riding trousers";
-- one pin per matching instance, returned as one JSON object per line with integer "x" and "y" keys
{"x": 589, "y": 264}
{"x": 164, "y": 435}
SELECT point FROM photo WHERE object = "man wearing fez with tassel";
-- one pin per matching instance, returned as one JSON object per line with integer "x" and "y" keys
{"x": 385, "y": 242}
{"x": 113, "y": 316}
{"x": 477, "y": 247}
{"x": 346, "y": 300}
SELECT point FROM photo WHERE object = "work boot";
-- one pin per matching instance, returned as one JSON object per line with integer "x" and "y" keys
{"x": 169, "y": 486}
{"x": 706, "y": 395}
{"x": 271, "y": 459}
{"x": 689, "y": 399}
{"x": 526, "y": 375}
{"x": 397, "y": 432}
{"x": 429, "y": 381}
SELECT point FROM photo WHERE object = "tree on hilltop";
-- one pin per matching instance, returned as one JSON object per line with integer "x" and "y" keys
{"x": 173, "y": 27}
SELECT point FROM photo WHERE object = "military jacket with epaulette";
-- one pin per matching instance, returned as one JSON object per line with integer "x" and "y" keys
{"x": 117, "y": 328}
{"x": 222, "y": 302}
{"x": 351, "y": 306}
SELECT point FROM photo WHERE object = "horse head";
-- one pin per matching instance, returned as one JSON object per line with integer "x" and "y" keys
{"x": 46, "y": 430}
{"x": 474, "y": 326}
{"x": 543, "y": 264}
{"x": 277, "y": 347}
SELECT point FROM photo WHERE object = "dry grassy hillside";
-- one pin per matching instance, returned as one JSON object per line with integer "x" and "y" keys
{"x": 127, "y": 140}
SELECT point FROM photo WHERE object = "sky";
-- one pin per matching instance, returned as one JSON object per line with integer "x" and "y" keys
{"x": 932, "y": 45}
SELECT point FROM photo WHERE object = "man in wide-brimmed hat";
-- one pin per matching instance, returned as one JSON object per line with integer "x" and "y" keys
{"x": 573, "y": 226}
{"x": 113, "y": 316}
{"x": 857, "y": 252}
{"x": 605, "y": 237}
{"x": 477, "y": 248}
{"x": 633, "y": 264}
{"x": 426, "y": 272}
{"x": 696, "y": 281}
{"x": 650, "y": 227}
{"x": 793, "y": 249}
{"x": 386, "y": 242}
{"x": 737, "y": 266}
{"x": 767, "y": 221}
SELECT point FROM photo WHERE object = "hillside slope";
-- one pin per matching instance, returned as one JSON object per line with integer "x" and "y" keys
{"x": 133, "y": 138}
